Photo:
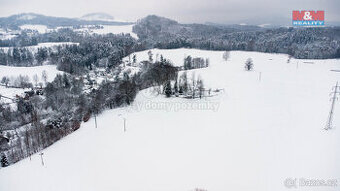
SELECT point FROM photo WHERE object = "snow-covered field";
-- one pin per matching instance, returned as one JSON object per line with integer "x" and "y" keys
{"x": 114, "y": 29}
{"x": 254, "y": 136}
{"x": 14, "y": 72}
{"x": 40, "y": 28}
{"x": 10, "y": 71}
{"x": 7, "y": 34}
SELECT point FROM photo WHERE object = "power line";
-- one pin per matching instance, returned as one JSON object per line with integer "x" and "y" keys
{"x": 331, "y": 113}
{"x": 7, "y": 97}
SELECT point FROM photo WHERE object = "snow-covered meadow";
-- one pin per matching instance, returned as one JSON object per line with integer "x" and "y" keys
{"x": 10, "y": 71}
{"x": 267, "y": 126}
{"x": 40, "y": 28}
{"x": 14, "y": 72}
{"x": 7, "y": 34}
{"x": 106, "y": 29}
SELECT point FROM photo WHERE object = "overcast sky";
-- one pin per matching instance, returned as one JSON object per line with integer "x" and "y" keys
{"x": 184, "y": 11}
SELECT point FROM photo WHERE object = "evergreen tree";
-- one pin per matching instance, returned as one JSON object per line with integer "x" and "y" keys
{"x": 134, "y": 59}
{"x": 176, "y": 88}
{"x": 188, "y": 63}
{"x": 249, "y": 64}
{"x": 4, "y": 162}
{"x": 184, "y": 83}
{"x": 16, "y": 55}
{"x": 162, "y": 59}
{"x": 150, "y": 56}
{"x": 41, "y": 55}
{"x": 168, "y": 89}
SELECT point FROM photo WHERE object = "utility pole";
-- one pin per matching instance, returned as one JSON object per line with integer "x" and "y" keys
{"x": 95, "y": 120}
{"x": 120, "y": 115}
{"x": 28, "y": 144}
{"x": 41, "y": 156}
{"x": 331, "y": 113}
{"x": 124, "y": 125}
{"x": 260, "y": 76}
{"x": 94, "y": 107}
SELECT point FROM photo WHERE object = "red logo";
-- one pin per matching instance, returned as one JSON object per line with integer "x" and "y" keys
{"x": 308, "y": 15}
{"x": 308, "y": 18}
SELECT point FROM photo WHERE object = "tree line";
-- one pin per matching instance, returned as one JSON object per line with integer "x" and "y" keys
{"x": 308, "y": 43}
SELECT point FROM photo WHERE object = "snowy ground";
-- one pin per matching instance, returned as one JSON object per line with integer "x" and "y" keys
{"x": 14, "y": 72}
{"x": 7, "y": 34}
{"x": 10, "y": 71}
{"x": 114, "y": 29}
{"x": 40, "y": 28}
{"x": 254, "y": 136}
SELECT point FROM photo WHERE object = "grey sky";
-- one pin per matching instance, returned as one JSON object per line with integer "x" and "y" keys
{"x": 185, "y": 11}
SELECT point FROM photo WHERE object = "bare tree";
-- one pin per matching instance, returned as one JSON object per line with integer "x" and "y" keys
{"x": 194, "y": 85}
{"x": 44, "y": 76}
{"x": 150, "y": 56}
{"x": 5, "y": 80}
{"x": 35, "y": 79}
{"x": 200, "y": 87}
{"x": 226, "y": 55}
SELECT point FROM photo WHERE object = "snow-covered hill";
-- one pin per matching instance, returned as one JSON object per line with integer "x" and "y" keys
{"x": 255, "y": 135}
{"x": 97, "y": 17}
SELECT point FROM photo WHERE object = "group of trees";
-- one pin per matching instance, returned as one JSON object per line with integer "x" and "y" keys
{"x": 182, "y": 86}
{"x": 27, "y": 38}
{"x": 18, "y": 82}
{"x": 91, "y": 51}
{"x": 194, "y": 63}
{"x": 192, "y": 88}
{"x": 157, "y": 73}
{"x": 4, "y": 161}
{"x": 24, "y": 56}
{"x": 24, "y": 81}
{"x": 95, "y": 51}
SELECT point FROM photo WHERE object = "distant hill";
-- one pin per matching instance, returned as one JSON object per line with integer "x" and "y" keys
{"x": 15, "y": 21}
{"x": 97, "y": 17}
{"x": 311, "y": 42}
